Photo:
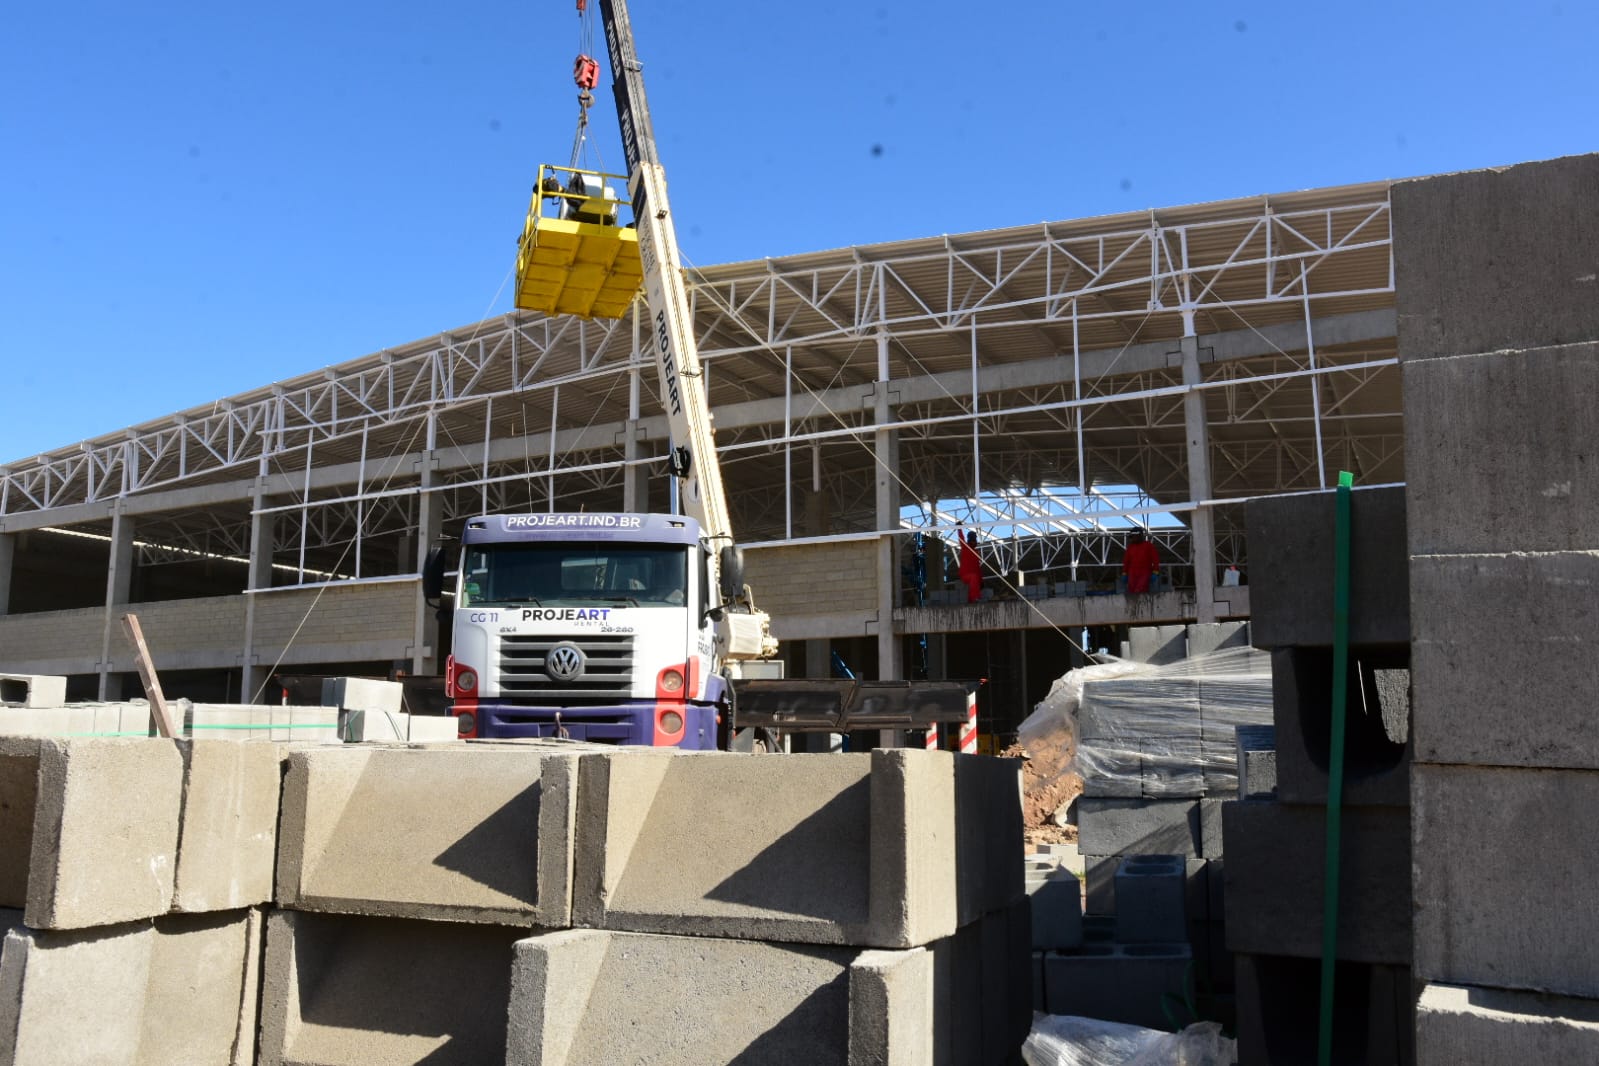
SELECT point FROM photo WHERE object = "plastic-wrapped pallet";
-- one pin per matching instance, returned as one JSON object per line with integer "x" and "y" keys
{"x": 1136, "y": 730}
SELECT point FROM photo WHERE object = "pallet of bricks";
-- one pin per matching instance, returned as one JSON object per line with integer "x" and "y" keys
{"x": 1155, "y": 743}
{"x": 200, "y": 901}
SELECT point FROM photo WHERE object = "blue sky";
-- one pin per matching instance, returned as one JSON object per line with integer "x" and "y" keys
{"x": 199, "y": 199}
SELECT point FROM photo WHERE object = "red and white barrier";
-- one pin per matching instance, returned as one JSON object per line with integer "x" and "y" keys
{"x": 932, "y": 737}
{"x": 969, "y": 730}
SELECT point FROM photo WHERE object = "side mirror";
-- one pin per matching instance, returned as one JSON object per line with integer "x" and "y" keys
{"x": 732, "y": 564}
{"x": 433, "y": 574}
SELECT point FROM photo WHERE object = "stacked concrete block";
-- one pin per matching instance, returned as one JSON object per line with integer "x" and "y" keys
{"x": 1056, "y": 898}
{"x": 391, "y": 726}
{"x": 1150, "y": 899}
{"x": 1276, "y": 839}
{"x": 265, "y": 721}
{"x": 1257, "y": 762}
{"x": 32, "y": 690}
{"x": 1498, "y": 327}
{"x": 1158, "y": 645}
{"x": 227, "y": 838}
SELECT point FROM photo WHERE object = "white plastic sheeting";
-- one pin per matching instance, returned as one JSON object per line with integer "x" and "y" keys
{"x": 1065, "y": 1040}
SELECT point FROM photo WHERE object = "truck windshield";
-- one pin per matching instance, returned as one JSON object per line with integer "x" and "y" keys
{"x": 632, "y": 575}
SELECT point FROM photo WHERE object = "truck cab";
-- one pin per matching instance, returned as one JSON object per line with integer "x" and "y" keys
{"x": 589, "y": 626}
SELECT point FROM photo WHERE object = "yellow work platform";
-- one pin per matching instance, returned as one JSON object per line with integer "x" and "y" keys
{"x": 576, "y": 261}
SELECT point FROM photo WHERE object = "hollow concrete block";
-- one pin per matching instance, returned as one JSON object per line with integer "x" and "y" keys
{"x": 1499, "y": 456}
{"x": 988, "y": 828}
{"x": 1506, "y": 659}
{"x": 180, "y": 988}
{"x": 1276, "y": 858}
{"x": 1257, "y": 762}
{"x": 363, "y": 694}
{"x": 1131, "y": 983}
{"x": 1057, "y": 908}
{"x": 1291, "y": 552}
{"x": 474, "y": 833}
{"x": 93, "y": 839}
{"x": 395, "y": 727}
{"x": 1158, "y": 645}
{"x": 347, "y": 990}
{"x": 1150, "y": 899}
{"x": 842, "y": 849}
{"x": 33, "y": 690}
{"x": 1458, "y": 1025}
{"x": 227, "y": 843}
{"x": 1278, "y": 1000}
{"x": 1378, "y": 744}
{"x": 1206, "y": 637}
{"x": 1526, "y": 919}
{"x": 1486, "y": 260}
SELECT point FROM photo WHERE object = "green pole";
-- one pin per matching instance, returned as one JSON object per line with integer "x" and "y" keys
{"x": 1335, "y": 762}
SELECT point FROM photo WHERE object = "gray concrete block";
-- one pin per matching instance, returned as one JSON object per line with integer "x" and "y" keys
{"x": 1132, "y": 709}
{"x": 1197, "y": 892}
{"x": 1144, "y": 827}
{"x": 1278, "y": 1003}
{"x": 178, "y": 989}
{"x": 1492, "y": 259}
{"x": 1469, "y": 1026}
{"x": 1150, "y": 891}
{"x": 423, "y": 832}
{"x": 1158, "y": 645}
{"x": 988, "y": 822}
{"x": 1110, "y": 771}
{"x": 343, "y": 990}
{"x": 1499, "y": 456}
{"x": 103, "y": 839}
{"x": 1018, "y": 1021}
{"x": 1099, "y": 885}
{"x": 1057, "y": 910}
{"x": 1206, "y": 637}
{"x": 592, "y": 996}
{"x": 1173, "y": 769}
{"x": 858, "y": 849}
{"x": 363, "y": 694}
{"x": 1377, "y": 735}
{"x": 227, "y": 841}
{"x": 393, "y": 727}
{"x": 1291, "y": 552}
{"x": 1276, "y": 859}
{"x": 1257, "y": 762}
{"x": 1506, "y": 659}
{"x": 1210, "y": 828}
{"x": 33, "y": 690}
{"x": 1526, "y": 919}
{"x": 1138, "y": 984}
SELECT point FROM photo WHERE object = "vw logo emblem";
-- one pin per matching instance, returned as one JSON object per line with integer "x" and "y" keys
{"x": 564, "y": 662}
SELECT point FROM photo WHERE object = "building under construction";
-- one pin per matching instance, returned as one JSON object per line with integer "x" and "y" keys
{"x": 1052, "y": 388}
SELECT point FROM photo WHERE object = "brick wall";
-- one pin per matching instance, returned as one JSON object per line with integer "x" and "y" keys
{"x": 795, "y": 582}
{"x": 337, "y": 623}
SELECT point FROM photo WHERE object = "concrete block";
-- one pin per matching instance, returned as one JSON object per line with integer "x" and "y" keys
{"x": 1132, "y": 983}
{"x": 1197, "y": 892}
{"x": 592, "y": 996}
{"x": 1506, "y": 659}
{"x": 1143, "y": 827}
{"x": 1257, "y": 762}
{"x": 1109, "y": 771}
{"x": 1210, "y": 827}
{"x": 1158, "y": 645}
{"x": 266, "y": 721}
{"x": 49, "y": 721}
{"x": 227, "y": 840}
{"x": 1128, "y": 709}
{"x": 363, "y": 694}
{"x": 1206, "y": 637}
{"x": 1276, "y": 858}
{"x": 424, "y": 832}
{"x": 1038, "y": 981}
{"x": 1099, "y": 885}
{"x": 1492, "y": 259}
{"x": 340, "y": 990}
{"x": 1149, "y": 899}
{"x": 1468, "y": 1026}
{"x": 390, "y": 727}
{"x": 1377, "y": 733}
{"x": 178, "y": 989}
{"x": 988, "y": 823}
{"x": 857, "y": 849}
{"x": 1291, "y": 541}
{"x": 1498, "y": 453}
{"x": 1057, "y": 909}
{"x": 1018, "y": 1020}
{"x": 1526, "y": 919}
{"x": 33, "y": 690}
{"x": 98, "y": 824}
{"x": 1173, "y": 769}
{"x": 1278, "y": 1001}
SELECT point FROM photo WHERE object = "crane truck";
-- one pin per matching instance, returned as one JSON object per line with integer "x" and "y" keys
{"x": 626, "y": 627}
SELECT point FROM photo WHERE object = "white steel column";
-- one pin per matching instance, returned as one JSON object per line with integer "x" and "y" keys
{"x": 118, "y": 585}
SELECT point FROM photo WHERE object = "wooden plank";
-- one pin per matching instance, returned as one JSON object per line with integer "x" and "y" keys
{"x": 152, "y": 685}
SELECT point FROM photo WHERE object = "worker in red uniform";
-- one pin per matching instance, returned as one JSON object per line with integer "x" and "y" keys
{"x": 1139, "y": 563}
{"x": 971, "y": 568}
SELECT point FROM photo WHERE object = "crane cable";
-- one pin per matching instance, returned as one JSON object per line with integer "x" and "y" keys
{"x": 586, "y": 75}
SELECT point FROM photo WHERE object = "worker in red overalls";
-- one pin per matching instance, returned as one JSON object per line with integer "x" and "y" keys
{"x": 971, "y": 567}
{"x": 1139, "y": 563}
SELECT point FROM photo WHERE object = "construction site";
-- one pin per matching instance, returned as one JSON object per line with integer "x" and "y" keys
{"x": 1163, "y": 637}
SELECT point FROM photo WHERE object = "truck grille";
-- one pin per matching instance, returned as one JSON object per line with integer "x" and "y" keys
{"x": 607, "y": 673}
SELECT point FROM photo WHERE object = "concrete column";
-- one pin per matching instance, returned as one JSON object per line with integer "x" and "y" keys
{"x": 263, "y": 542}
{"x": 430, "y": 527}
{"x": 890, "y": 657}
{"x": 1203, "y": 522}
{"x": 118, "y": 582}
{"x": 8, "y": 549}
{"x": 635, "y": 491}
